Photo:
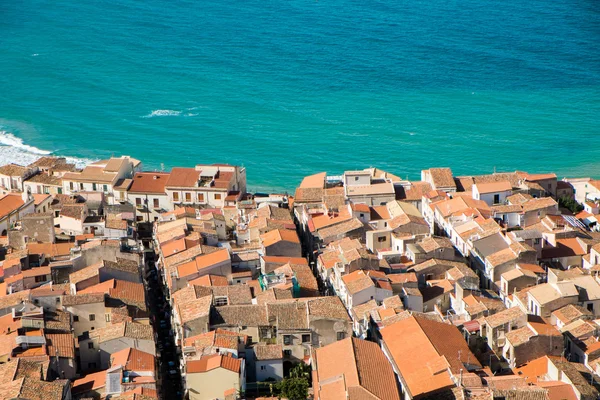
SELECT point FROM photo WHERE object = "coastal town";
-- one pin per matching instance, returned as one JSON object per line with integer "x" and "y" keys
{"x": 127, "y": 284}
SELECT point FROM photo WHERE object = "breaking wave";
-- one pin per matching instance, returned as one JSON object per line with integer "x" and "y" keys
{"x": 163, "y": 113}
{"x": 8, "y": 139}
{"x": 13, "y": 150}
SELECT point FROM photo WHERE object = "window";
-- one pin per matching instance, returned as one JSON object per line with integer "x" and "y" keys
{"x": 305, "y": 338}
{"x": 263, "y": 367}
{"x": 175, "y": 196}
{"x": 287, "y": 353}
{"x": 71, "y": 185}
{"x": 56, "y": 214}
{"x": 287, "y": 340}
{"x": 220, "y": 301}
{"x": 381, "y": 239}
{"x": 57, "y": 300}
{"x": 92, "y": 317}
{"x": 341, "y": 335}
{"x": 90, "y": 345}
{"x": 107, "y": 316}
{"x": 536, "y": 241}
{"x": 80, "y": 186}
{"x": 36, "y": 302}
{"x": 590, "y": 307}
{"x": 496, "y": 198}
{"x": 105, "y": 188}
{"x": 94, "y": 187}
{"x": 217, "y": 196}
{"x": 156, "y": 203}
{"x": 356, "y": 178}
{"x": 39, "y": 189}
{"x": 138, "y": 201}
{"x": 362, "y": 215}
{"x": 40, "y": 278}
{"x": 200, "y": 197}
{"x": 75, "y": 318}
{"x": 385, "y": 224}
{"x": 59, "y": 190}
{"x": 188, "y": 197}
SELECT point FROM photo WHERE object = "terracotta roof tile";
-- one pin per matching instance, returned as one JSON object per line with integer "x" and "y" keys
{"x": 208, "y": 363}
{"x": 60, "y": 344}
{"x": 268, "y": 352}
{"x": 149, "y": 182}
{"x": 74, "y": 300}
{"x": 133, "y": 360}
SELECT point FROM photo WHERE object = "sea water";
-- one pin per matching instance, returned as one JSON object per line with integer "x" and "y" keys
{"x": 293, "y": 87}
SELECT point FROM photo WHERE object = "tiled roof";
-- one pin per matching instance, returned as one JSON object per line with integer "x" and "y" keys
{"x": 50, "y": 249}
{"x": 10, "y": 203}
{"x": 209, "y": 280}
{"x": 243, "y": 315}
{"x": 341, "y": 228}
{"x": 278, "y": 235}
{"x": 89, "y": 382}
{"x": 442, "y": 177}
{"x": 74, "y": 211}
{"x": 194, "y": 309}
{"x": 183, "y": 177}
{"x": 504, "y": 317}
{"x": 288, "y": 315}
{"x": 13, "y": 170}
{"x": 441, "y": 346}
{"x": 57, "y": 321}
{"x": 327, "y": 307}
{"x": 74, "y": 300}
{"x": 123, "y": 264}
{"x": 493, "y": 187}
{"x": 519, "y": 336}
{"x": 570, "y": 313}
{"x": 354, "y": 366}
{"x": 501, "y": 257}
{"x": 132, "y": 359}
{"x": 84, "y": 273}
{"x": 129, "y": 292}
{"x": 149, "y": 182}
{"x": 124, "y": 329}
{"x": 236, "y": 294}
{"x": 208, "y": 363}
{"x": 539, "y": 203}
{"x": 363, "y": 311}
{"x": 357, "y": 281}
{"x": 268, "y": 352}
{"x": 60, "y": 344}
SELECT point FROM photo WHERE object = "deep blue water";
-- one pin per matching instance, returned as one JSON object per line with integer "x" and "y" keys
{"x": 290, "y": 88}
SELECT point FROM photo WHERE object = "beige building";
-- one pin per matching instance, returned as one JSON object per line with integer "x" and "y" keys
{"x": 205, "y": 185}
{"x": 100, "y": 176}
{"x": 214, "y": 377}
{"x": 88, "y": 312}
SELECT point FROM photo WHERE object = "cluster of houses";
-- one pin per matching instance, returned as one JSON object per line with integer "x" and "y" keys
{"x": 451, "y": 287}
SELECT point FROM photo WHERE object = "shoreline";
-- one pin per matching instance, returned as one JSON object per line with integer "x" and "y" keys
{"x": 14, "y": 150}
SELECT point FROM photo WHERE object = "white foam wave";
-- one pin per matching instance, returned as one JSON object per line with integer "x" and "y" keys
{"x": 8, "y": 139}
{"x": 13, "y": 150}
{"x": 163, "y": 113}
{"x": 34, "y": 55}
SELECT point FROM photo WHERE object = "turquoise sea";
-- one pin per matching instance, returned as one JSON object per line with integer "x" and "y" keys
{"x": 292, "y": 87}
